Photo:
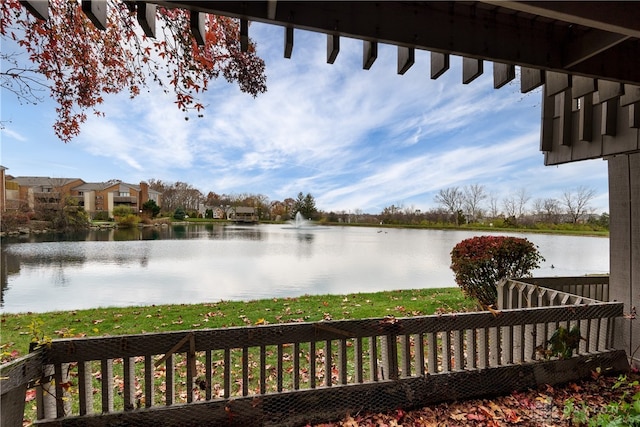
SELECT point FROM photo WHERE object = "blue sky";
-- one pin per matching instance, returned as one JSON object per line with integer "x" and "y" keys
{"x": 353, "y": 138}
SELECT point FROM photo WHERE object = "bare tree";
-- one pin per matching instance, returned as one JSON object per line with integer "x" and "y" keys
{"x": 577, "y": 201}
{"x": 515, "y": 204}
{"x": 177, "y": 194}
{"x": 358, "y": 214}
{"x": 538, "y": 209}
{"x": 510, "y": 206}
{"x": 522, "y": 198}
{"x": 551, "y": 210}
{"x": 451, "y": 199}
{"x": 494, "y": 210}
{"x": 473, "y": 195}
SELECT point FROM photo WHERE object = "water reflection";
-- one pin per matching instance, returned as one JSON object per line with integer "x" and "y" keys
{"x": 179, "y": 231}
{"x": 195, "y": 263}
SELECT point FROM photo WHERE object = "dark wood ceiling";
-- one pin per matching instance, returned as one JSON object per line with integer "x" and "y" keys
{"x": 592, "y": 39}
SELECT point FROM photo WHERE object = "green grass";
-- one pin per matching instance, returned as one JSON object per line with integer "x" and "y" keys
{"x": 18, "y": 330}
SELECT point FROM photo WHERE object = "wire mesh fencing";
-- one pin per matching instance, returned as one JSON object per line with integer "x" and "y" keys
{"x": 299, "y": 373}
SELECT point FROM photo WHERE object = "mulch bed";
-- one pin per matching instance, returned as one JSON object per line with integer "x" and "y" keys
{"x": 540, "y": 407}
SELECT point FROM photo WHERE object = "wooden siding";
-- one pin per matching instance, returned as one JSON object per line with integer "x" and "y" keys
{"x": 624, "y": 236}
{"x": 603, "y": 124}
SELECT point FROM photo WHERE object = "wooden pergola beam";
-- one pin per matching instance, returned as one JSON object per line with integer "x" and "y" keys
{"x": 369, "y": 54}
{"x": 197, "y": 27}
{"x": 96, "y": 11}
{"x": 333, "y": 48}
{"x": 38, "y": 8}
{"x": 146, "y": 15}
{"x": 406, "y": 58}
{"x": 582, "y": 44}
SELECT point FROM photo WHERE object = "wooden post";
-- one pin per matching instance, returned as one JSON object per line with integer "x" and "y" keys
{"x": 392, "y": 356}
{"x": 458, "y": 350}
{"x": 296, "y": 366}
{"x": 328, "y": 363}
{"x": 148, "y": 381}
{"x": 472, "y": 349}
{"x": 129, "y": 377}
{"x": 405, "y": 355}
{"x": 446, "y": 351}
{"x": 342, "y": 361}
{"x": 63, "y": 403}
{"x": 85, "y": 388}
{"x": 106, "y": 378}
{"x": 418, "y": 340}
{"x": 432, "y": 353}
{"x": 312, "y": 364}
{"x": 357, "y": 350}
{"x": 383, "y": 367}
{"x": 280, "y": 368}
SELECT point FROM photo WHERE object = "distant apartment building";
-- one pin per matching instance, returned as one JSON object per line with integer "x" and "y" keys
{"x": 41, "y": 192}
{"x": 31, "y": 192}
{"x": 3, "y": 189}
{"x": 104, "y": 196}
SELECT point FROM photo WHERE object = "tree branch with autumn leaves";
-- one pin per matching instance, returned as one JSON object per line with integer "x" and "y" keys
{"x": 79, "y": 64}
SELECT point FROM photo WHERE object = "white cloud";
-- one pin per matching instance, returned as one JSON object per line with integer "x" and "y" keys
{"x": 13, "y": 134}
{"x": 355, "y": 139}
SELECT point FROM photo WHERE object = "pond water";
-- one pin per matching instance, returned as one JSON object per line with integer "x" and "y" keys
{"x": 208, "y": 263}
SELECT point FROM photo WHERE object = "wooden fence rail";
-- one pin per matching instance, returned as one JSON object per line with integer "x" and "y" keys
{"x": 594, "y": 287}
{"x": 15, "y": 378}
{"x": 296, "y": 373}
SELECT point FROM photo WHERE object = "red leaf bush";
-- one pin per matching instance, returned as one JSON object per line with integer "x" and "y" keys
{"x": 480, "y": 262}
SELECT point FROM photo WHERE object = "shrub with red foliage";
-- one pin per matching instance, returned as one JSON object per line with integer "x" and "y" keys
{"x": 480, "y": 262}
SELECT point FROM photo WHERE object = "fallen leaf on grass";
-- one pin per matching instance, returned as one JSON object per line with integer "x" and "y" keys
{"x": 31, "y": 395}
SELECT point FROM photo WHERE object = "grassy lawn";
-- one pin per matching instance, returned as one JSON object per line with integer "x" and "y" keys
{"x": 18, "y": 330}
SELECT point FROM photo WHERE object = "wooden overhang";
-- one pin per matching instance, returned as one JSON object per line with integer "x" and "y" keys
{"x": 579, "y": 38}
{"x": 586, "y": 54}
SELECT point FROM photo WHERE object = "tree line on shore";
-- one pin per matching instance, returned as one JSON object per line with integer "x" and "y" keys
{"x": 472, "y": 204}
{"x": 456, "y": 206}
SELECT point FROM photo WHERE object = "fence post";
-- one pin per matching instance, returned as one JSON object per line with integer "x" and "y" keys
{"x": 383, "y": 366}
{"x": 46, "y": 395}
{"x": 12, "y": 407}
{"x": 392, "y": 356}
{"x": 61, "y": 376}
{"x": 500, "y": 288}
{"x": 15, "y": 377}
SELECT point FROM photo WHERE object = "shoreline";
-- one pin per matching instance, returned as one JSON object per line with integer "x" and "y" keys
{"x": 102, "y": 225}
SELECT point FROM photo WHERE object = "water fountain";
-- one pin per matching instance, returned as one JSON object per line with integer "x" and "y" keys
{"x": 300, "y": 223}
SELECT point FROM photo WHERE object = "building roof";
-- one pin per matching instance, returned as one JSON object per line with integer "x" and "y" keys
{"x": 245, "y": 210}
{"x": 38, "y": 181}
{"x": 98, "y": 186}
{"x": 92, "y": 186}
